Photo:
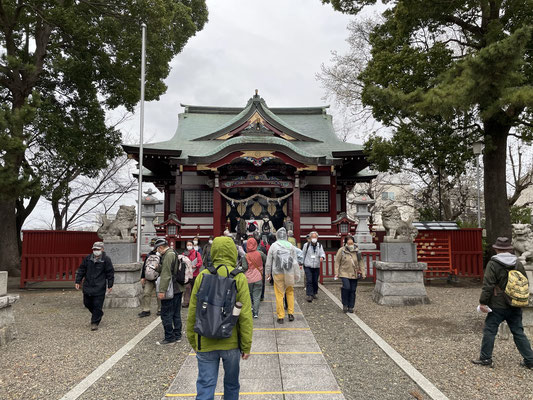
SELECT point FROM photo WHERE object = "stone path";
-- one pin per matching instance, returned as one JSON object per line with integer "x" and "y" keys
{"x": 286, "y": 363}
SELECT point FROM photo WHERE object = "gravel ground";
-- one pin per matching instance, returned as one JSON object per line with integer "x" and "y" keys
{"x": 441, "y": 339}
{"x": 55, "y": 348}
{"x": 361, "y": 368}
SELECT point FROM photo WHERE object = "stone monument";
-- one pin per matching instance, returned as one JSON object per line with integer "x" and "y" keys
{"x": 399, "y": 275}
{"x": 120, "y": 246}
{"x": 149, "y": 202}
{"x": 523, "y": 246}
{"x": 8, "y": 330}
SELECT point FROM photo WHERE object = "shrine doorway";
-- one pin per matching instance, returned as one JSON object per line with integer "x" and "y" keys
{"x": 257, "y": 203}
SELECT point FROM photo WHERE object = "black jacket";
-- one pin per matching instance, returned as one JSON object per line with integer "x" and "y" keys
{"x": 96, "y": 274}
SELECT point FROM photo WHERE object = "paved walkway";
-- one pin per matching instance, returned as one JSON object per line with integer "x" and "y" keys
{"x": 286, "y": 363}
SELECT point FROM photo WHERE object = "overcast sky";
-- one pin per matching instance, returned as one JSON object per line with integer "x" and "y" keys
{"x": 275, "y": 46}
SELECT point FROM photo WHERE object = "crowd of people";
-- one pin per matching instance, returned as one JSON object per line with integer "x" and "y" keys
{"x": 250, "y": 262}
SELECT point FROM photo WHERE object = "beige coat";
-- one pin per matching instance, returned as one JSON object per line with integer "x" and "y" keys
{"x": 347, "y": 264}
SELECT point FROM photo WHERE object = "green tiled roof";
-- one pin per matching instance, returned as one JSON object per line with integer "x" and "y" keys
{"x": 312, "y": 122}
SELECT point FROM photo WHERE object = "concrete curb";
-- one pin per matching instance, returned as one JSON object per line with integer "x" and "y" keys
{"x": 431, "y": 390}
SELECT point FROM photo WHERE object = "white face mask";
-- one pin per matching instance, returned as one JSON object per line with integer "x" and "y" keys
{"x": 210, "y": 242}
{"x": 351, "y": 247}
{"x": 314, "y": 240}
{"x": 97, "y": 253}
{"x": 195, "y": 242}
{"x": 158, "y": 254}
{"x": 189, "y": 247}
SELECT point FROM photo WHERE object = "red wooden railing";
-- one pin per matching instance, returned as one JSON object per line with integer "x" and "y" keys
{"x": 53, "y": 255}
{"x": 327, "y": 266}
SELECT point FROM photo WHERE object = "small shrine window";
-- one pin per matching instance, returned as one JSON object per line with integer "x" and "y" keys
{"x": 171, "y": 230}
{"x": 315, "y": 201}
{"x": 197, "y": 201}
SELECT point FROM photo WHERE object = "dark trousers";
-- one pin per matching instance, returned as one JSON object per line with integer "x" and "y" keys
{"x": 311, "y": 279}
{"x": 263, "y": 289}
{"x": 171, "y": 317}
{"x": 348, "y": 289}
{"x": 94, "y": 304}
{"x": 513, "y": 316}
{"x": 187, "y": 293}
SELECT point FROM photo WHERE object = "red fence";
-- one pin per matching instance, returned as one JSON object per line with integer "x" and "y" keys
{"x": 327, "y": 266}
{"x": 53, "y": 255}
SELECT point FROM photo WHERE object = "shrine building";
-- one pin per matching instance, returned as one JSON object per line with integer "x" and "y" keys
{"x": 254, "y": 162}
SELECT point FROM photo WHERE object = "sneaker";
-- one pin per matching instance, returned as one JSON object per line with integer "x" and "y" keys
{"x": 309, "y": 299}
{"x": 143, "y": 314}
{"x": 94, "y": 327}
{"x": 291, "y": 317}
{"x": 262, "y": 299}
{"x": 158, "y": 312}
{"x": 350, "y": 310}
{"x": 487, "y": 362}
{"x": 177, "y": 340}
{"x": 523, "y": 364}
{"x": 344, "y": 309}
{"x": 315, "y": 296}
{"x": 280, "y": 320}
{"x": 256, "y": 316}
{"x": 165, "y": 341}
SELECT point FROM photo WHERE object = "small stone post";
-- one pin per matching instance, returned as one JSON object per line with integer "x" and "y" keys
{"x": 149, "y": 202}
{"x": 8, "y": 330}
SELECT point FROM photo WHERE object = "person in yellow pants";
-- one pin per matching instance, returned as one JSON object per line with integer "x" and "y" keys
{"x": 282, "y": 263}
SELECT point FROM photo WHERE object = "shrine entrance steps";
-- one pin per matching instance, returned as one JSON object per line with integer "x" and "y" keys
{"x": 286, "y": 363}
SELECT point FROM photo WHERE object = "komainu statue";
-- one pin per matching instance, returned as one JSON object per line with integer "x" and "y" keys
{"x": 120, "y": 227}
{"x": 523, "y": 244}
{"x": 398, "y": 230}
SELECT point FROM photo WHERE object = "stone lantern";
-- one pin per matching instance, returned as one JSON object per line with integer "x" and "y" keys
{"x": 363, "y": 237}
{"x": 149, "y": 203}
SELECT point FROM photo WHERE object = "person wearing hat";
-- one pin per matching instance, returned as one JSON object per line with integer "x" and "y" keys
{"x": 96, "y": 272}
{"x": 493, "y": 303}
{"x": 170, "y": 308}
{"x": 148, "y": 286}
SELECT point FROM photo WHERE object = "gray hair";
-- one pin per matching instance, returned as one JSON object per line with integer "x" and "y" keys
{"x": 313, "y": 233}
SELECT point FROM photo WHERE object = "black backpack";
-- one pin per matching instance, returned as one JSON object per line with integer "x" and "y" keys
{"x": 215, "y": 301}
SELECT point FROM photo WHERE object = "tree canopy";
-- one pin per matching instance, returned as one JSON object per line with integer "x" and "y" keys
{"x": 468, "y": 64}
{"x": 64, "y": 63}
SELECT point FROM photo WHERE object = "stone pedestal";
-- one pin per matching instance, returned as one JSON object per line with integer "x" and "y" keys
{"x": 127, "y": 290}
{"x": 8, "y": 329}
{"x": 399, "y": 277}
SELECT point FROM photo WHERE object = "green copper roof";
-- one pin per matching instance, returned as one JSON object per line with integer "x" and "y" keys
{"x": 312, "y": 122}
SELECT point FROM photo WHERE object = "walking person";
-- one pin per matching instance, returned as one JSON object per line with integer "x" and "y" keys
{"x": 210, "y": 351}
{"x": 170, "y": 308}
{"x": 313, "y": 255}
{"x": 253, "y": 264}
{"x": 492, "y": 301}
{"x": 152, "y": 261}
{"x": 96, "y": 272}
{"x": 206, "y": 253}
{"x": 349, "y": 266}
{"x": 282, "y": 264}
{"x": 196, "y": 259}
{"x": 196, "y": 245}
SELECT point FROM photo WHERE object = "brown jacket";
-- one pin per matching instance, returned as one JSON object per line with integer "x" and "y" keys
{"x": 348, "y": 265}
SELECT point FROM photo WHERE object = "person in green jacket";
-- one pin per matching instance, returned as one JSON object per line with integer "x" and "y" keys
{"x": 210, "y": 351}
{"x": 493, "y": 303}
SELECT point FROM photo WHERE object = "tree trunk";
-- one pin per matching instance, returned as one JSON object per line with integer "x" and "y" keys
{"x": 9, "y": 251}
{"x": 497, "y": 215}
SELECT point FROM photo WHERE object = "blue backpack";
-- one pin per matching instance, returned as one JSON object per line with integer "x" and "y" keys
{"x": 215, "y": 301}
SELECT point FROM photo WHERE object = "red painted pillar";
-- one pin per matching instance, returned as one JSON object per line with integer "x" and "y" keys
{"x": 296, "y": 209}
{"x": 166, "y": 207}
{"x": 178, "y": 192}
{"x": 333, "y": 197}
{"x": 217, "y": 209}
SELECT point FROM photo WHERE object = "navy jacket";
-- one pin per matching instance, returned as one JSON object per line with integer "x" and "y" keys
{"x": 96, "y": 274}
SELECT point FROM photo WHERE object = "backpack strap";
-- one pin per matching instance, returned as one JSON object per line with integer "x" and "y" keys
{"x": 212, "y": 269}
{"x": 235, "y": 272}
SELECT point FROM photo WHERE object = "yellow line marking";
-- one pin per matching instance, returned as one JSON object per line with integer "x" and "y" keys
{"x": 260, "y": 393}
{"x": 277, "y": 352}
{"x": 296, "y": 313}
{"x": 282, "y": 329}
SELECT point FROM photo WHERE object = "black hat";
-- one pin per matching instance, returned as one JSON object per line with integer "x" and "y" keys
{"x": 503, "y": 243}
{"x": 160, "y": 242}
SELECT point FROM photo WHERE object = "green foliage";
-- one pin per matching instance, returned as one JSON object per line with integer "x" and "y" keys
{"x": 520, "y": 215}
{"x": 62, "y": 65}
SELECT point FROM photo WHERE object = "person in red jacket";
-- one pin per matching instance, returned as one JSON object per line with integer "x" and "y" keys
{"x": 196, "y": 258}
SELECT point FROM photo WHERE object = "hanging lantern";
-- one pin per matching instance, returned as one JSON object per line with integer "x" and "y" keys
{"x": 271, "y": 209}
